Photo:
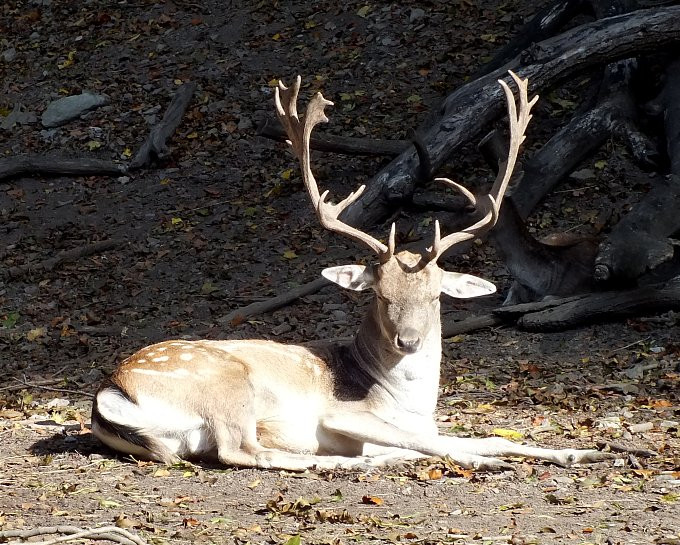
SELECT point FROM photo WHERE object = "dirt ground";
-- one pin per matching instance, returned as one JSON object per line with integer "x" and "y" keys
{"x": 226, "y": 223}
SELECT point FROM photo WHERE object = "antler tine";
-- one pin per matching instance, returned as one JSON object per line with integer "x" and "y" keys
{"x": 490, "y": 204}
{"x": 463, "y": 190}
{"x": 299, "y": 134}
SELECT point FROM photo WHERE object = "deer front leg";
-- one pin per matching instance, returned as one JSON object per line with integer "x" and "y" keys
{"x": 366, "y": 427}
{"x": 497, "y": 446}
{"x": 467, "y": 452}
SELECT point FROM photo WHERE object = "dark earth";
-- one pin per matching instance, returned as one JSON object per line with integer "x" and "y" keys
{"x": 226, "y": 222}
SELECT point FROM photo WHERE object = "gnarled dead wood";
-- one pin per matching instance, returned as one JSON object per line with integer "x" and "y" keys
{"x": 467, "y": 111}
{"x": 73, "y": 533}
{"x": 639, "y": 242}
{"x": 563, "y": 266}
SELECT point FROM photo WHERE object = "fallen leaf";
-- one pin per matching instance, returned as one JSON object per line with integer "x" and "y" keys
{"x": 507, "y": 434}
{"x": 371, "y": 500}
{"x": 33, "y": 334}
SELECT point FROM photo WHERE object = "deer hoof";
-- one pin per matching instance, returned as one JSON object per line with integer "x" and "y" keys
{"x": 492, "y": 464}
{"x": 572, "y": 456}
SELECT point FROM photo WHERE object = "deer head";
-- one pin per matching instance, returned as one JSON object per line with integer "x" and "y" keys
{"x": 407, "y": 285}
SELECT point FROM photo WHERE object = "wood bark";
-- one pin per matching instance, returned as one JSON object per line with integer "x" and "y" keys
{"x": 467, "y": 111}
{"x": 605, "y": 306}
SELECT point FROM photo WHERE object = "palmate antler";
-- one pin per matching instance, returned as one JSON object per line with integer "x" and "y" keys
{"x": 299, "y": 133}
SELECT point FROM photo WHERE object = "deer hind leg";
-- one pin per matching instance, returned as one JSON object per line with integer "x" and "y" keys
{"x": 238, "y": 446}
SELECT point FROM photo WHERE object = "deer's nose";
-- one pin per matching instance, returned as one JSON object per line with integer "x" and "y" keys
{"x": 408, "y": 341}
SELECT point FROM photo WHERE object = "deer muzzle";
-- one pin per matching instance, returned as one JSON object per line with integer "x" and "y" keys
{"x": 408, "y": 341}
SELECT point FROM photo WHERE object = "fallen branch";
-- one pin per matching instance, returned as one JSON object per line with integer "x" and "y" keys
{"x": 337, "y": 144}
{"x": 238, "y": 316}
{"x": 561, "y": 314}
{"x": 568, "y": 312}
{"x": 40, "y": 165}
{"x": 473, "y": 323}
{"x": 107, "y": 533}
{"x": 618, "y": 447}
{"x": 64, "y": 256}
{"x": 155, "y": 148}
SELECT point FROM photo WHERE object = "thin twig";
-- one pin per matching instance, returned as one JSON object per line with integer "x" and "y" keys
{"x": 13, "y": 387}
{"x": 51, "y": 389}
{"x": 630, "y": 345}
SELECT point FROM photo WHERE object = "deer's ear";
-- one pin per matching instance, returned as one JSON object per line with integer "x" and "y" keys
{"x": 353, "y": 277}
{"x": 464, "y": 286}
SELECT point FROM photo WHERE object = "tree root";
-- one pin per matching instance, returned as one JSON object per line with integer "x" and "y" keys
{"x": 106, "y": 533}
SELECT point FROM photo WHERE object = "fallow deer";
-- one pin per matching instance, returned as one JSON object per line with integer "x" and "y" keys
{"x": 367, "y": 402}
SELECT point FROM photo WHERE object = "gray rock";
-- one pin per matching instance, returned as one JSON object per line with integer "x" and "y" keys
{"x": 9, "y": 55}
{"x": 416, "y": 15}
{"x": 68, "y": 108}
{"x": 245, "y": 123}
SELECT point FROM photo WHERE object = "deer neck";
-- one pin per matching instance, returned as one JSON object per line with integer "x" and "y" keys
{"x": 409, "y": 381}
